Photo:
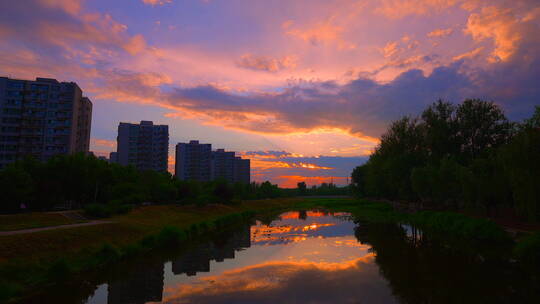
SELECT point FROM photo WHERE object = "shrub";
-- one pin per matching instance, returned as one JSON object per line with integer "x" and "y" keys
{"x": 461, "y": 225}
{"x": 206, "y": 199}
{"x": 107, "y": 210}
{"x": 170, "y": 235}
{"x": 107, "y": 254}
{"x": 97, "y": 210}
{"x": 59, "y": 270}
{"x": 527, "y": 250}
{"x": 8, "y": 290}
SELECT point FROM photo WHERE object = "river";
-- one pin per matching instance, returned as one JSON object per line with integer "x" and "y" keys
{"x": 307, "y": 257}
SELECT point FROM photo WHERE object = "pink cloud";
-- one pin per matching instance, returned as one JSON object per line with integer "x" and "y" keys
{"x": 156, "y": 2}
{"x": 268, "y": 64}
{"x": 320, "y": 33}
{"x": 440, "y": 33}
{"x": 401, "y": 8}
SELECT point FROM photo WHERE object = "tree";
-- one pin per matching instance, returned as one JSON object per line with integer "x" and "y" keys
{"x": 302, "y": 188}
{"x": 534, "y": 121}
{"x": 16, "y": 187}
{"x": 481, "y": 126}
{"x": 440, "y": 130}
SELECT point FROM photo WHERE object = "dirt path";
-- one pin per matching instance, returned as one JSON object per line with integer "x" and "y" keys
{"x": 23, "y": 231}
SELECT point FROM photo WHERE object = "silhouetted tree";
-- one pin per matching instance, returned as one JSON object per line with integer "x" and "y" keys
{"x": 302, "y": 188}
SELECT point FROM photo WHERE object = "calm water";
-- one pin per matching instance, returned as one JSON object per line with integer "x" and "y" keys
{"x": 307, "y": 257}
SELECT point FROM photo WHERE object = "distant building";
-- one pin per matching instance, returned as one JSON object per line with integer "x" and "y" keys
{"x": 242, "y": 170}
{"x": 42, "y": 118}
{"x": 144, "y": 146}
{"x": 196, "y": 161}
{"x": 223, "y": 164}
{"x": 193, "y": 161}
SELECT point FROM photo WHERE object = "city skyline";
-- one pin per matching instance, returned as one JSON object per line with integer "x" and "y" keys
{"x": 303, "y": 88}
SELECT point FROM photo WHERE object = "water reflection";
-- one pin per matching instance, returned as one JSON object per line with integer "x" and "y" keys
{"x": 143, "y": 283}
{"x": 302, "y": 257}
{"x": 198, "y": 260}
{"x": 310, "y": 257}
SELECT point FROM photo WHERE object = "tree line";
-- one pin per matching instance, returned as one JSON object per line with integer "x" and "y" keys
{"x": 466, "y": 156}
{"x": 322, "y": 189}
{"x": 84, "y": 181}
{"x": 79, "y": 180}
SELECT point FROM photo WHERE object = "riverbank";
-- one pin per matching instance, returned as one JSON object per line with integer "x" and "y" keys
{"x": 32, "y": 261}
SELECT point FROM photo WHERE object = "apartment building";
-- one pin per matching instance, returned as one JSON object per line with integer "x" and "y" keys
{"x": 196, "y": 161}
{"x": 193, "y": 161}
{"x": 42, "y": 118}
{"x": 144, "y": 146}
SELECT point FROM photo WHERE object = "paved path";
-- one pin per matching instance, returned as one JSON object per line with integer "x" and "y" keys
{"x": 23, "y": 231}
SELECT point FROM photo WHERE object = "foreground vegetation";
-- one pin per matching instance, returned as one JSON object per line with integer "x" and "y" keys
{"x": 466, "y": 157}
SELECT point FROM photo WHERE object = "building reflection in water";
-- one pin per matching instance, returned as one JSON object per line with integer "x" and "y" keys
{"x": 198, "y": 259}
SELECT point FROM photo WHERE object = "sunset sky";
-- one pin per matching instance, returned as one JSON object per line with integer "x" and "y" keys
{"x": 303, "y": 87}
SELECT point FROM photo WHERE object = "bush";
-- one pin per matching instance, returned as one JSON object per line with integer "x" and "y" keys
{"x": 527, "y": 251}
{"x": 461, "y": 225}
{"x": 170, "y": 235}
{"x": 108, "y": 253}
{"x": 120, "y": 208}
{"x": 59, "y": 270}
{"x": 97, "y": 210}
{"x": 107, "y": 210}
{"x": 8, "y": 290}
{"x": 206, "y": 199}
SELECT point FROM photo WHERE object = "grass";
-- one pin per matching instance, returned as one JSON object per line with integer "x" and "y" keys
{"x": 33, "y": 220}
{"x": 527, "y": 250}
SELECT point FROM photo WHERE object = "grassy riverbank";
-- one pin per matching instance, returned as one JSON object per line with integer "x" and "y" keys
{"x": 34, "y": 260}
{"x": 33, "y": 220}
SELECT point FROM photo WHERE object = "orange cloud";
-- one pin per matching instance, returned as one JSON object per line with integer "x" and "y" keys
{"x": 472, "y": 54}
{"x": 102, "y": 147}
{"x": 390, "y": 49}
{"x": 440, "y": 33}
{"x": 252, "y": 284}
{"x": 265, "y": 164}
{"x": 104, "y": 142}
{"x": 499, "y": 24}
{"x": 268, "y": 64}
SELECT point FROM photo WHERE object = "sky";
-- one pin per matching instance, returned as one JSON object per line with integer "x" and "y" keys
{"x": 304, "y": 88}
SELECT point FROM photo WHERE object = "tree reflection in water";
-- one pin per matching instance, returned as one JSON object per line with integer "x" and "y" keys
{"x": 421, "y": 269}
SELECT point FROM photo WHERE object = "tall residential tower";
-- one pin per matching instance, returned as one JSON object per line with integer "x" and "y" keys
{"x": 42, "y": 118}
{"x": 193, "y": 161}
{"x": 144, "y": 145}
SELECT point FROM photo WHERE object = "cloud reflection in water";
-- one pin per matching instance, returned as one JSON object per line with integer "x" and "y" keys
{"x": 309, "y": 258}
